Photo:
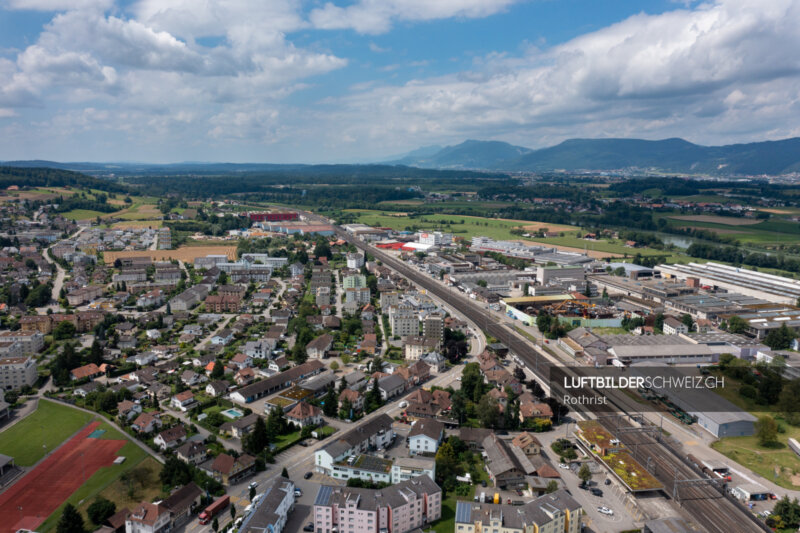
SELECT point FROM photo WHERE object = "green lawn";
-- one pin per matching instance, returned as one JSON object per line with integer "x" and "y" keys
{"x": 50, "y": 425}
{"x": 446, "y": 524}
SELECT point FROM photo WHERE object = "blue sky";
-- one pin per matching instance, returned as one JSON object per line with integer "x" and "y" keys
{"x": 358, "y": 80}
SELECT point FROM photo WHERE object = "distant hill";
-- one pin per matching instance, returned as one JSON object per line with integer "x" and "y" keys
{"x": 469, "y": 154}
{"x": 672, "y": 155}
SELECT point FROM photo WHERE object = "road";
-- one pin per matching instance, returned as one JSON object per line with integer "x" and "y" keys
{"x": 58, "y": 283}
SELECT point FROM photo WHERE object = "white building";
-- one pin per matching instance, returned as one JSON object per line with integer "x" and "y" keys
{"x": 355, "y": 260}
{"x": 360, "y": 295}
{"x": 425, "y": 436}
{"x": 374, "y": 434}
{"x": 403, "y": 320}
{"x": 271, "y": 508}
{"x": 435, "y": 238}
{"x": 17, "y": 372}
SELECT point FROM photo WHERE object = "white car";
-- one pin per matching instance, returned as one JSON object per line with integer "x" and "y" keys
{"x": 564, "y": 466}
{"x": 403, "y": 404}
{"x": 605, "y": 510}
{"x": 253, "y": 485}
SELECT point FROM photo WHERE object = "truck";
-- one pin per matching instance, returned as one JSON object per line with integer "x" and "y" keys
{"x": 214, "y": 509}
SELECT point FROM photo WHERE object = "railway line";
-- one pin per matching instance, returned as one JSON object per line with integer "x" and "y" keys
{"x": 705, "y": 502}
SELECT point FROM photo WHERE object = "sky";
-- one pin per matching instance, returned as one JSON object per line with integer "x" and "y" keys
{"x": 309, "y": 81}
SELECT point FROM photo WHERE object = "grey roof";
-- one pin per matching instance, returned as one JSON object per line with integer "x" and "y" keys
{"x": 674, "y": 350}
{"x": 499, "y": 457}
{"x": 669, "y": 525}
{"x": 540, "y": 511}
{"x": 428, "y": 427}
{"x": 372, "y": 499}
{"x": 392, "y": 382}
{"x": 358, "y": 434}
{"x": 263, "y": 514}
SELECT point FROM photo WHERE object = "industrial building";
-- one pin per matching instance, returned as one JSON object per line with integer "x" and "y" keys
{"x": 772, "y": 288}
{"x": 714, "y": 413}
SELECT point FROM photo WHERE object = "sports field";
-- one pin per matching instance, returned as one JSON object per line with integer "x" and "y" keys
{"x": 28, "y": 440}
{"x": 29, "y": 501}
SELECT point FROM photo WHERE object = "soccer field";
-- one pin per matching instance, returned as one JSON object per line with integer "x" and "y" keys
{"x": 45, "y": 429}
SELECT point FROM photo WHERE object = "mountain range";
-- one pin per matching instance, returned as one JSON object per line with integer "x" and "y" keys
{"x": 670, "y": 155}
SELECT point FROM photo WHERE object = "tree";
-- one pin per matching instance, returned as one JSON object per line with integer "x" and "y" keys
{"x": 687, "y": 320}
{"x": 299, "y": 354}
{"x": 284, "y": 472}
{"x": 458, "y": 406}
{"x": 767, "y": 431}
{"x": 488, "y": 412}
{"x": 276, "y": 422}
{"x": 322, "y": 249}
{"x": 96, "y": 353}
{"x": 101, "y": 510}
{"x": 781, "y": 338}
{"x": 71, "y": 521}
{"x": 736, "y": 324}
{"x": 345, "y": 357}
{"x": 584, "y": 474}
{"x": 788, "y": 511}
{"x": 471, "y": 380}
{"x": 789, "y": 402}
{"x": 373, "y": 400}
{"x": 64, "y": 330}
{"x": 447, "y": 464}
{"x": 334, "y": 366}
{"x": 218, "y": 371}
{"x": 330, "y": 405}
{"x": 551, "y": 487}
{"x": 215, "y": 525}
{"x": 258, "y": 439}
{"x": 346, "y": 409}
{"x": 175, "y": 473}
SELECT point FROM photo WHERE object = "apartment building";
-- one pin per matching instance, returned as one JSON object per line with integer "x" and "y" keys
{"x": 16, "y": 372}
{"x": 403, "y": 320}
{"x": 374, "y": 434}
{"x": 271, "y": 510}
{"x": 31, "y": 341}
{"x": 400, "y": 508}
{"x": 552, "y": 513}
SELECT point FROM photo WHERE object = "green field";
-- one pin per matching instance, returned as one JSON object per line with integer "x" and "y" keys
{"x": 608, "y": 246}
{"x": 777, "y": 230}
{"x": 102, "y": 480}
{"x": 83, "y": 214}
{"x": 462, "y": 225}
{"x": 50, "y": 425}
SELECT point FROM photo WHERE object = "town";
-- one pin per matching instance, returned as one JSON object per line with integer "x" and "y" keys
{"x": 297, "y": 373}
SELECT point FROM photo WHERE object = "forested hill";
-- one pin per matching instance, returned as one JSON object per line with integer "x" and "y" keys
{"x": 50, "y": 177}
{"x": 669, "y": 155}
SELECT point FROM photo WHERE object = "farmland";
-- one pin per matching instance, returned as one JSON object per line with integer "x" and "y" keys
{"x": 184, "y": 253}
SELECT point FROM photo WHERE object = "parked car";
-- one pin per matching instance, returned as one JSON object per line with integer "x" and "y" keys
{"x": 252, "y": 485}
{"x": 564, "y": 466}
{"x": 596, "y": 492}
{"x": 309, "y": 527}
{"x": 483, "y": 483}
{"x": 307, "y": 475}
{"x": 608, "y": 481}
{"x": 605, "y": 510}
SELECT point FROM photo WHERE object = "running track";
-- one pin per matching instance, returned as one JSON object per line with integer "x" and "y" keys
{"x": 42, "y": 490}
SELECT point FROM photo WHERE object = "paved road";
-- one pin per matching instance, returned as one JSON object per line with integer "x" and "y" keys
{"x": 60, "y": 275}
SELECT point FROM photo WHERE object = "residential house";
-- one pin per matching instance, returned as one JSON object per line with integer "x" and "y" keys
{"x": 529, "y": 410}
{"x": 183, "y": 503}
{"x": 148, "y": 518}
{"x": 191, "y": 378}
{"x": 673, "y": 326}
{"x": 241, "y": 426}
{"x": 89, "y": 371}
{"x": 557, "y": 512}
{"x": 183, "y": 401}
{"x": 171, "y": 438}
{"x": 222, "y": 338}
{"x": 391, "y": 386}
{"x": 240, "y": 361}
{"x": 425, "y": 436}
{"x": 271, "y": 511}
{"x": 318, "y": 348}
{"x": 230, "y": 470}
{"x": 192, "y": 452}
{"x": 304, "y": 414}
{"x": 504, "y": 466}
{"x": 427, "y": 404}
{"x": 415, "y": 347}
{"x": 376, "y": 433}
{"x": 528, "y": 443}
{"x": 244, "y": 376}
{"x": 355, "y": 398}
{"x": 127, "y": 410}
{"x": 146, "y": 423}
{"x": 217, "y": 388}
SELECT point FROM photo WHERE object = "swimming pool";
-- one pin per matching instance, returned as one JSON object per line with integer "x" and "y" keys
{"x": 233, "y": 413}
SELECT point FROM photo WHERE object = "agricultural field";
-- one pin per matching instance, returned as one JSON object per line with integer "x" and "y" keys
{"x": 83, "y": 214}
{"x": 774, "y": 231}
{"x": 128, "y": 224}
{"x": 184, "y": 253}
{"x": 460, "y": 225}
{"x": 41, "y": 432}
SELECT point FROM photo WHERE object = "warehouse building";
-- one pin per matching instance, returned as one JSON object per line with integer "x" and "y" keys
{"x": 776, "y": 289}
{"x": 714, "y": 413}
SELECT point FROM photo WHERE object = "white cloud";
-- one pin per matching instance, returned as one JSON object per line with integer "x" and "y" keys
{"x": 679, "y": 73}
{"x": 57, "y": 5}
{"x": 376, "y": 16}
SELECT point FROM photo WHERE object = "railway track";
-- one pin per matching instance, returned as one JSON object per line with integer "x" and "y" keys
{"x": 707, "y": 504}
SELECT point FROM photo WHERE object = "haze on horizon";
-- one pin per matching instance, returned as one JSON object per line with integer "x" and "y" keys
{"x": 345, "y": 81}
